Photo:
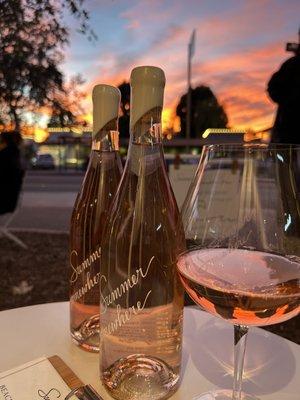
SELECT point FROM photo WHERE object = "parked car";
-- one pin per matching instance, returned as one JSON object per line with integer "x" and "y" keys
{"x": 44, "y": 161}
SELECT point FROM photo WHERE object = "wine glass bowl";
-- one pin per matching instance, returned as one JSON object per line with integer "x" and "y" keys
{"x": 242, "y": 286}
{"x": 242, "y": 224}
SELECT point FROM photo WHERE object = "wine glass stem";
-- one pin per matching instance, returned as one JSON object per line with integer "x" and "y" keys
{"x": 240, "y": 338}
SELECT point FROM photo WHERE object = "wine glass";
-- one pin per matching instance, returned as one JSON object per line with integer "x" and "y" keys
{"x": 242, "y": 224}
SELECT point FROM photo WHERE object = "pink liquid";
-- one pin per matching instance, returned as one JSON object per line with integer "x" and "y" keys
{"x": 242, "y": 286}
{"x": 141, "y": 295}
{"x": 87, "y": 222}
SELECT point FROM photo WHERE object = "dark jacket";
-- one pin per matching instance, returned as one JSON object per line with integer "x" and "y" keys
{"x": 11, "y": 177}
{"x": 284, "y": 89}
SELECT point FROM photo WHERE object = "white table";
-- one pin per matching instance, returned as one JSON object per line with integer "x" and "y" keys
{"x": 272, "y": 363}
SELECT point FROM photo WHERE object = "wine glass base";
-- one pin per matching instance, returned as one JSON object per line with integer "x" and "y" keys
{"x": 223, "y": 395}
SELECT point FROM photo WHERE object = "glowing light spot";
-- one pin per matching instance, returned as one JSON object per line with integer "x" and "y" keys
{"x": 40, "y": 134}
{"x": 280, "y": 158}
{"x": 288, "y": 222}
{"x": 167, "y": 118}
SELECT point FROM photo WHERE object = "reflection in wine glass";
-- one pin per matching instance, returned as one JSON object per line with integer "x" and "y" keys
{"x": 242, "y": 226}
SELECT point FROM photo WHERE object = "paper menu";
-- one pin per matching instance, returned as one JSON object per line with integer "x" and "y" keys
{"x": 35, "y": 380}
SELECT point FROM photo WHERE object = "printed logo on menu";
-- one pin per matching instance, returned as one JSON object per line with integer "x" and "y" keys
{"x": 52, "y": 394}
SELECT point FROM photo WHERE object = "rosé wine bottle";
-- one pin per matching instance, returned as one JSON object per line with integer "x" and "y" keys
{"x": 141, "y": 298}
{"x": 89, "y": 215}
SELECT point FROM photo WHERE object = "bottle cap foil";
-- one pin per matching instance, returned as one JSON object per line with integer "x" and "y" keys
{"x": 106, "y": 103}
{"x": 147, "y": 91}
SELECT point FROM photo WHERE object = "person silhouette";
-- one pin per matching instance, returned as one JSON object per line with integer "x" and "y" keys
{"x": 284, "y": 89}
{"x": 11, "y": 171}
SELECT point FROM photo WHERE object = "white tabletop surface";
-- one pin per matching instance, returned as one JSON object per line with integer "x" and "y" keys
{"x": 272, "y": 364}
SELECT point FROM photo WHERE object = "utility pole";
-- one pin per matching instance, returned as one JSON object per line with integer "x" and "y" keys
{"x": 191, "y": 52}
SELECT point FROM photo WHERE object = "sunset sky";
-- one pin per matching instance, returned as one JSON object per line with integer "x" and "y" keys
{"x": 239, "y": 44}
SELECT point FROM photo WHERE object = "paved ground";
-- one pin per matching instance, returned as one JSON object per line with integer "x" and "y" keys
{"x": 48, "y": 198}
{"x": 52, "y": 181}
{"x": 47, "y": 201}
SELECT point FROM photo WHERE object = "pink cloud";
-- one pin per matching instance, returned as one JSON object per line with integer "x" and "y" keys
{"x": 236, "y": 53}
{"x": 239, "y": 81}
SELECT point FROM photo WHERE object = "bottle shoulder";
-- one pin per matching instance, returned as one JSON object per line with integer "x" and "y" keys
{"x": 94, "y": 199}
{"x": 145, "y": 204}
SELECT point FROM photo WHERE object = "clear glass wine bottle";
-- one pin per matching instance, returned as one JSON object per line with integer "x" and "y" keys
{"x": 141, "y": 299}
{"x": 88, "y": 218}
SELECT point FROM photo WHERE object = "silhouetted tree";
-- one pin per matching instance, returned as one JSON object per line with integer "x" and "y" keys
{"x": 125, "y": 108}
{"x": 66, "y": 106}
{"x": 206, "y": 112}
{"x": 33, "y": 34}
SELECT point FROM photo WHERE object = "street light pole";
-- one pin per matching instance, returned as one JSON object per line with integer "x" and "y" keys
{"x": 191, "y": 51}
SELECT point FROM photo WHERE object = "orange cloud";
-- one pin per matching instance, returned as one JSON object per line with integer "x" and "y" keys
{"x": 240, "y": 82}
{"x": 237, "y": 50}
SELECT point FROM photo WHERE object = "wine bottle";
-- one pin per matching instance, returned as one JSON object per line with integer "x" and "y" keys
{"x": 89, "y": 215}
{"x": 141, "y": 298}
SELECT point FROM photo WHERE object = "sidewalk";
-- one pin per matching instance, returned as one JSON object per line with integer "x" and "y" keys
{"x": 44, "y": 211}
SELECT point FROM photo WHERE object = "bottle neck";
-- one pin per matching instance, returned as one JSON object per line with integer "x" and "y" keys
{"x": 147, "y": 130}
{"x": 145, "y": 155}
{"x": 106, "y": 141}
{"x": 107, "y": 138}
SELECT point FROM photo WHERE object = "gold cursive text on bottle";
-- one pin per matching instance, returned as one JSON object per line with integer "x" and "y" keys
{"x": 89, "y": 284}
{"x": 128, "y": 284}
{"x": 78, "y": 269}
{"x": 124, "y": 315}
